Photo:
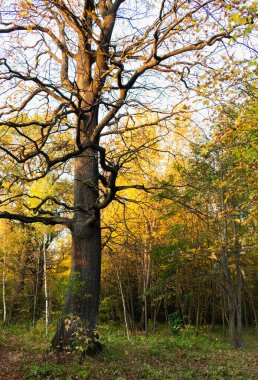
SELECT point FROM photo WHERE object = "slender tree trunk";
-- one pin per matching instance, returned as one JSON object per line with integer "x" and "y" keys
{"x": 145, "y": 279}
{"x": 155, "y": 314}
{"x": 228, "y": 277}
{"x": 123, "y": 302}
{"x": 179, "y": 299}
{"x": 245, "y": 311}
{"x": 232, "y": 322}
{"x": 223, "y": 315}
{"x": 253, "y": 308}
{"x": 131, "y": 303}
{"x": 4, "y": 288}
{"x": 45, "y": 283}
{"x": 197, "y": 317}
{"x": 36, "y": 290}
{"x": 240, "y": 341}
{"x": 146, "y": 262}
{"x": 189, "y": 314}
{"x": 166, "y": 313}
{"x": 16, "y": 298}
{"x": 213, "y": 311}
{"x": 144, "y": 314}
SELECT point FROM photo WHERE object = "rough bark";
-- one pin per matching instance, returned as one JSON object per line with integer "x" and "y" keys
{"x": 81, "y": 309}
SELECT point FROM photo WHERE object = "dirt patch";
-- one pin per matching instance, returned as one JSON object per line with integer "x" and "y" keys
{"x": 10, "y": 359}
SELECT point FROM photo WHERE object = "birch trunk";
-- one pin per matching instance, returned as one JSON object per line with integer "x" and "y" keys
{"x": 45, "y": 283}
{"x": 123, "y": 302}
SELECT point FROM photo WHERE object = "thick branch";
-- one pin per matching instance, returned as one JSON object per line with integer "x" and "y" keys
{"x": 36, "y": 219}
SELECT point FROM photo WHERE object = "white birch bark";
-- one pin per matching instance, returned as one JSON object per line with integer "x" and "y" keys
{"x": 36, "y": 293}
{"x": 45, "y": 283}
{"x": 123, "y": 302}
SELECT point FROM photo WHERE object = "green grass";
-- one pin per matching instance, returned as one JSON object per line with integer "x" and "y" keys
{"x": 152, "y": 357}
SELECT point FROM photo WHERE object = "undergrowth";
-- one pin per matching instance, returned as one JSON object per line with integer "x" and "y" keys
{"x": 159, "y": 355}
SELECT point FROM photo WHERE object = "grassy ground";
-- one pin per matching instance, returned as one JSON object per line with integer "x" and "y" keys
{"x": 24, "y": 355}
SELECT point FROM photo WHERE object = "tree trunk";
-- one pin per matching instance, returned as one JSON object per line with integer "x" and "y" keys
{"x": 232, "y": 321}
{"x": 240, "y": 340}
{"x": 232, "y": 304}
{"x": 45, "y": 284}
{"x": 36, "y": 286}
{"x": 223, "y": 314}
{"x": 197, "y": 316}
{"x": 80, "y": 314}
{"x": 123, "y": 302}
{"x": 155, "y": 314}
{"x": 4, "y": 290}
{"x": 213, "y": 302}
{"x": 131, "y": 304}
{"x": 253, "y": 308}
{"x": 17, "y": 297}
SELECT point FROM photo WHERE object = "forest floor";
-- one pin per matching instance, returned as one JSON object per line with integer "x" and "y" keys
{"x": 24, "y": 356}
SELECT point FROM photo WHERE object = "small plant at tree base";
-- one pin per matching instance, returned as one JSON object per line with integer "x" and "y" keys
{"x": 175, "y": 323}
{"x": 82, "y": 340}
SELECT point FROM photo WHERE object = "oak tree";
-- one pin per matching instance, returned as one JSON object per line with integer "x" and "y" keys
{"x": 72, "y": 72}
